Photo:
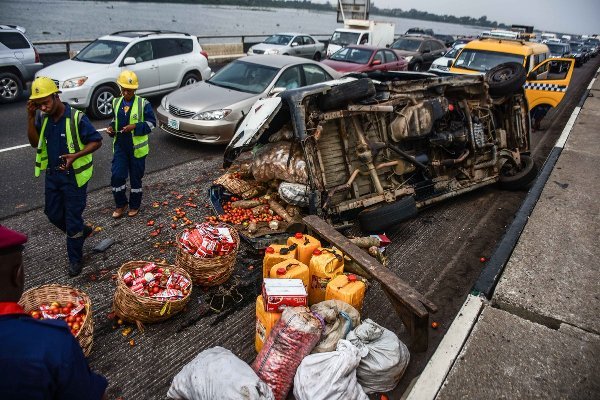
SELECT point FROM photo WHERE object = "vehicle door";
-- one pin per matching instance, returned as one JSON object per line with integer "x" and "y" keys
{"x": 425, "y": 50}
{"x": 378, "y": 62}
{"x": 290, "y": 78}
{"x": 297, "y": 46}
{"x": 309, "y": 48}
{"x": 552, "y": 87}
{"x": 173, "y": 60}
{"x": 438, "y": 49}
{"x": 314, "y": 74}
{"x": 145, "y": 67}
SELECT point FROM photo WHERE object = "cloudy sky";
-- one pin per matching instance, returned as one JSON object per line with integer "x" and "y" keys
{"x": 573, "y": 16}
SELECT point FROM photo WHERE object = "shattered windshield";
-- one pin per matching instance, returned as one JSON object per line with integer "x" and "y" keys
{"x": 344, "y": 38}
{"x": 483, "y": 61}
{"x": 101, "y": 52}
{"x": 279, "y": 39}
{"x": 244, "y": 77}
{"x": 352, "y": 55}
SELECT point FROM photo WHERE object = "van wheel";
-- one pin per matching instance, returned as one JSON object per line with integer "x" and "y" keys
{"x": 101, "y": 104}
{"x": 317, "y": 56}
{"x": 417, "y": 67}
{"x": 506, "y": 79}
{"x": 513, "y": 177}
{"x": 339, "y": 96}
{"x": 190, "y": 78}
{"x": 379, "y": 218}
{"x": 11, "y": 87}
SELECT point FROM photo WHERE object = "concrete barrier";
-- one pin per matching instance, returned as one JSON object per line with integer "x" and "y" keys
{"x": 220, "y": 52}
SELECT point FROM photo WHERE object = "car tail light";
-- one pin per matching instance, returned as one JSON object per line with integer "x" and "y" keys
{"x": 37, "y": 55}
{"x": 204, "y": 53}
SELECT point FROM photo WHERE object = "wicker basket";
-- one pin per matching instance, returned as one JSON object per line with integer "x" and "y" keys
{"x": 33, "y": 298}
{"x": 208, "y": 271}
{"x": 139, "y": 309}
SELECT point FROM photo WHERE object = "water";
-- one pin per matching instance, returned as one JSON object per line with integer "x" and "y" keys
{"x": 70, "y": 20}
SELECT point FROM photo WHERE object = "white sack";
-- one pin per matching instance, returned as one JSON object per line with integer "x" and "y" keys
{"x": 385, "y": 357}
{"x": 329, "y": 376}
{"x": 218, "y": 374}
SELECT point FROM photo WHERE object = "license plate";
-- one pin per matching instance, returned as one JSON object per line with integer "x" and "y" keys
{"x": 173, "y": 123}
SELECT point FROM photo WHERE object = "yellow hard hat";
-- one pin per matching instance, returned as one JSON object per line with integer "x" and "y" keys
{"x": 42, "y": 87}
{"x": 128, "y": 80}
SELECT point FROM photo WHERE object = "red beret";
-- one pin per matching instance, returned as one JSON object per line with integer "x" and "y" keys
{"x": 10, "y": 238}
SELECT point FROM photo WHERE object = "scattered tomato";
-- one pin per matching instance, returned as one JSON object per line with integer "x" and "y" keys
{"x": 150, "y": 222}
{"x": 132, "y": 342}
{"x": 482, "y": 259}
{"x": 435, "y": 325}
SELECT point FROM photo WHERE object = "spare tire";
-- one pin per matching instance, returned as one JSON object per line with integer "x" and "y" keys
{"x": 381, "y": 217}
{"x": 506, "y": 79}
{"x": 341, "y": 95}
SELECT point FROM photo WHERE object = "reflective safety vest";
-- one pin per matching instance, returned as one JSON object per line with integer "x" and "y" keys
{"x": 136, "y": 114}
{"x": 82, "y": 166}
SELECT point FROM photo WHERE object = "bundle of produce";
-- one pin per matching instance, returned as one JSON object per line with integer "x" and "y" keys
{"x": 66, "y": 303}
{"x": 280, "y": 161}
{"x": 236, "y": 184}
{"x": 150, "y": 292}
{"x": 291, "y": 339}
{"x": 208, "y": 252}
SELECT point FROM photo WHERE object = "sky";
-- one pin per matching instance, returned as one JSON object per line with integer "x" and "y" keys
{"x": 567, "y": 16}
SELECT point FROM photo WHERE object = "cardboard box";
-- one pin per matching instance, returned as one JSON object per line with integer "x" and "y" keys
{"x": 281, "y": 293}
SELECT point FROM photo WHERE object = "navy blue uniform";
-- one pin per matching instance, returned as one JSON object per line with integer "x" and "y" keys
{"x": 124, "y": 162}
{"x": 42, "y": 360}
{"x": 65, "y": 201}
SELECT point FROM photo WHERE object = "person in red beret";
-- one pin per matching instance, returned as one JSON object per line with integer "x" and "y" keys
{"x": 39, "y": 359}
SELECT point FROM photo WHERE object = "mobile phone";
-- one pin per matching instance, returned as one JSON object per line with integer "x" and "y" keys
{"x": 62, "y": 162}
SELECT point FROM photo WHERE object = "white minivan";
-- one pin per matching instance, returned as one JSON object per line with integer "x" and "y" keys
{"x": 162, "y": 60}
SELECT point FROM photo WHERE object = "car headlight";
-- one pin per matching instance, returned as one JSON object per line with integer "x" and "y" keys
{"x": 272, "y": 51}
{"x": 434, "y": 66}
{"x": 212, "y": 115}
{"x": 408, "y": 58}
{"x": 74, "y": 82}
{"x": 164, "y": 103}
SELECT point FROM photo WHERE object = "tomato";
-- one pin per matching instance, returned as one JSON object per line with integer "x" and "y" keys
{"x": 76, "y": 326}
{"x": 70, "y": 324}
{"x": 71, "y": 318}
{"x": 78, "y": 318}
{"x": 36, "y": 314}
{"x": 66, "y": 310}
{"x": 55, "y": 304}
{"x": 70, "y": 305}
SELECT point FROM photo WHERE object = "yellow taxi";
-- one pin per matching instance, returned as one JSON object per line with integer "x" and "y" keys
{"x": 542, "y": 88}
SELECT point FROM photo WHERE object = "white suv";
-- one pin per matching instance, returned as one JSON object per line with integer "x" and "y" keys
{"x": 162, "y": 60}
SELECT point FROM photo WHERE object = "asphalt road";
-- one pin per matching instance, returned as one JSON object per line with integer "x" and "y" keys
{"x": 23, "y": 192}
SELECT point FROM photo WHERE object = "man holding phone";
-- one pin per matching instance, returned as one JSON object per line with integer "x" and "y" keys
{"x": 65, "y": 140}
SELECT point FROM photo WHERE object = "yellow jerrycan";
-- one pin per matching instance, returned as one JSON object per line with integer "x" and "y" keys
{"x": 306, "y": 245}
{"x": 325, "y": 265}
{"x": 277, "y": 253}
{"x": 265, "y": 321}
{"x": 291, "y": 269}
{"x": 349, "y": 288}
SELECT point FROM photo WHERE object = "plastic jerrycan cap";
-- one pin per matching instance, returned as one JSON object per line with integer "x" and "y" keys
{"x": 281, "y": 271}
{"x": 317, "y": 252}
{"x": 352, "y": 278}
{"x": 269, "y": 250}
{"x": 298, "y": 235}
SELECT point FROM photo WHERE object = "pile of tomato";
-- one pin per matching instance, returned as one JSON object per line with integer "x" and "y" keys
{"x": 243, "y": 216}
{"x": 73, "y": 314}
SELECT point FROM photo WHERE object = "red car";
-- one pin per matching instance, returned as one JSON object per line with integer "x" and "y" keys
{"x": 360, "y": 58}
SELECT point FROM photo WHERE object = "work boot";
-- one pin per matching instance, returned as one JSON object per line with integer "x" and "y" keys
{"x": 119, "y": 211}
{"x": 133, "y": 213}
{"x": 74, "y": 268}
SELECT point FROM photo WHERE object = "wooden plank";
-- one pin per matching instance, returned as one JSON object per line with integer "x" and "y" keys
{"x": 400, "y": 290}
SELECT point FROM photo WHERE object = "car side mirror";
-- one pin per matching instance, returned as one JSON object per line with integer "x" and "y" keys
{"x": 129, "y": 61}
{"x": 376, "y": 62}
{"x": 449, "y": 63}
{"x": 275, "y": 91}
{"x": 532, "y": 76}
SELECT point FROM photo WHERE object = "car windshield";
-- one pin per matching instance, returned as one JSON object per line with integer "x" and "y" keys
{"x": 483, "y": 61}
{"x": 344, "y": 38}
{"x": 101, "y": 52}
{"x": 576, "y": 47}
{"x": 279, "y": 39}
{"x": 453, "y": 52}
{"x": 406, "y": 44}
{"x": 352, "y": 55}
{"x": 556, "y": 48}
{"x": 244, "y": 77}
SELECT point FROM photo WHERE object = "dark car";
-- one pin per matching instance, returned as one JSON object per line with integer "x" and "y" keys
{"x": 463, "y": 40}
{"x": 595, "y": 44}
{"x": 579, "y": 53}
{"x": 447, "y": 39}
{"x": 419, "y": 51}
{"x": 558, "y": 50}
{"x": 360, "y": 58}
{"x": 419, "y": 31}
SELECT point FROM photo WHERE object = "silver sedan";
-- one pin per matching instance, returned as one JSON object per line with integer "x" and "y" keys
{"x": 292, "y": 44}
{"x": 210, "y": 111}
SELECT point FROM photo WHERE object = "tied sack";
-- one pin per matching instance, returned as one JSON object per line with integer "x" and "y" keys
{"x": 217, "y": 373}
{"x": 340, "y": 318}
{"x": 384, "y": 357}
{"x": 291, "y": 339}
{"x": 329, "y": 376}
{"x": 281, "y": 160}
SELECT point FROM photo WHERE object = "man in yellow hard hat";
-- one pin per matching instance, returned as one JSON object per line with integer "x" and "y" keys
{"x": 65, "y": 140}
{"x": 133, "y": 120}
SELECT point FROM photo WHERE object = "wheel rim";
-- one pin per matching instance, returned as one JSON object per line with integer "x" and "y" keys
{"x": 417, "y": 67}
{"x": 8, "y": 88}
{"x": 190, "y": 81}
{"x": 502, "y": 75}
{"x": 104, "y": 103}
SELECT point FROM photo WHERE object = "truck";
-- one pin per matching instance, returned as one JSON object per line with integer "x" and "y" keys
{"x": 357, "y": 31}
